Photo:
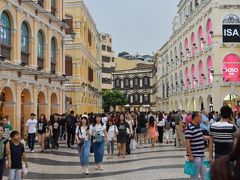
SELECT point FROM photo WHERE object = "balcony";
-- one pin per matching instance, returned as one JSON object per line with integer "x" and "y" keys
{"x": 6, "y": 51}
{"x": 25, "y": 58}
{"x": 40, "y": 63}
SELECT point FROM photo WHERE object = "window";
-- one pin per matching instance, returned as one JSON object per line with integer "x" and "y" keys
{"x": 5, "y": 36}
{"x": 53, "y": 7}
{"x": 126, "y": 82}
{"x": 136, "y": 97}
{"x": 68, "y": 66}
{"x": 117, "y": 83}
{"x": 209, "y": 32}
{"x": 113, "y": 59}
{"x": 103, "y": 47}
{"x": 89, "y": 38}
{"x": 110, "y": 40}
{"x": 69, "y": 22}
{"x": 53, "y": 55}
{"x": 106, "y": 59}
{"x": 103, "y": 37}
{"x": 90, "y": 74}
{"x": 136, "y": 81}
{"x": 109, "y": 49}
{"x": 40, "y": 50}
{"x": 146, "y": 98}
{"x": 146, "y": 81}
{"x": 24, "y": 43}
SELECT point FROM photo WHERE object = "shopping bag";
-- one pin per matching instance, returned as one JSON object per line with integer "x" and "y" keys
{"x": 24, "y": 171}
{"x": 133, "y": 144}
{"x": 190, "y": 168}
{"x": 207, "y": 166}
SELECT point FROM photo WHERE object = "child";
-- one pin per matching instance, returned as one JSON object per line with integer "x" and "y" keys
{"x": 112, "y": 131}
{"x": 152, "y": 130}
{"x": 17, "y": 154}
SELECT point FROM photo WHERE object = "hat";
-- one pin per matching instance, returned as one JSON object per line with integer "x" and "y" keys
{"x": 32, "y": 114}
{"x": 84, "y": 116}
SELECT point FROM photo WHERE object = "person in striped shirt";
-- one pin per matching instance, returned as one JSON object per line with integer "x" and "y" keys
{"x": 223, "y": 133}
{"x": 194, "y": 141}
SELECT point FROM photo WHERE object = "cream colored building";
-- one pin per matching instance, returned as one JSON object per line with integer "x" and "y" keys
{"x": 83, "y": 50}
{"x": 108, "y": 60}
{"x": 32, "y": 59}
{"x": 196, "y": 69}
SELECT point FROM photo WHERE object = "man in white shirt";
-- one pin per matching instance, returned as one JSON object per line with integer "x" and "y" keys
{"x": 32, "y": 129}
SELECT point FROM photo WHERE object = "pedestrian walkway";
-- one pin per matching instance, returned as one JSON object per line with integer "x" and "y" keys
{"x": 161, "y": 162}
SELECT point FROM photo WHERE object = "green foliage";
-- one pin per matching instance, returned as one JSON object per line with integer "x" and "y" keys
{"x": 113, "y": 98}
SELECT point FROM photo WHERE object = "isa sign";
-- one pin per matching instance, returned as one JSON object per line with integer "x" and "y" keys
{"x": 231, "y": 33}
{"x": 231, "y": 29}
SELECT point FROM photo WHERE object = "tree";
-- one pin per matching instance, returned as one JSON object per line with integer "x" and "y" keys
{"x": 113, "y": 98}
{"x": 121, "y": 54}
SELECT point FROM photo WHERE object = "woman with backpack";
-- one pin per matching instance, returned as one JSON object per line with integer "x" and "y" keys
{"x": 99, "y": 136}
{"x": 83, "y": 136}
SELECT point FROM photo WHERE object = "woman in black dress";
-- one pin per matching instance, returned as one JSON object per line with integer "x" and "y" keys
{"x": 122, "y": 135}
{"x": 41, "y": 127}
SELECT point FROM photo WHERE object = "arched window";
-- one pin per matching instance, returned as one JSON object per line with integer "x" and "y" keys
{"x": 193, "y": 44}
{"x": 200, "y": 38}
{"x": 5, "y": 35}
{"x": 53, "y": 55}
{"x": 200, "y": 72}
{"x": 187, "y": 80}
{"x": 136, "y": 82}
{"x": 40, "y": 50}
{"x": 136, "y": 98}
{"x": 209, "y": 32}
{"x": 193, "y": 71}
{"x": 210, "y": 69}
{"x": 146, "y": 81}
{"x": 126, "y": 82}
{"x": 186, "y": 47}
{"x": 24, "y": 43}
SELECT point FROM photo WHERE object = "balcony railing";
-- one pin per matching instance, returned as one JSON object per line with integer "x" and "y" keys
{"x": 25, "y": 58}
{"x": 6, "y": 51}
{"x": 40, "y": 62}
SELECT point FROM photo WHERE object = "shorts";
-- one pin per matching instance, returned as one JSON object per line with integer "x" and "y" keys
{"x": 144, "y": 130}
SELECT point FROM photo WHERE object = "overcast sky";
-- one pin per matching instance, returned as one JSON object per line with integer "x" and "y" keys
{"x": 136, "y": 26}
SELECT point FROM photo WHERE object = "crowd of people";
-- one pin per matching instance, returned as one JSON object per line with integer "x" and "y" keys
{"x": 88, "y": 133}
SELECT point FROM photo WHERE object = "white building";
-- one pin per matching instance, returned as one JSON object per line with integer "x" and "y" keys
{"x": 199, "y": 66}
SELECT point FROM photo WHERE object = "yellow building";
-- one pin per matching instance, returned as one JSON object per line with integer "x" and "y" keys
{"x": 31, "y": 63}
{"x": 83, "y": 50}
{"x": 108, "y": 60}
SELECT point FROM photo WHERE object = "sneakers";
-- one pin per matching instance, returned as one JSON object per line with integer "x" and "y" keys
{"x": 32, "y": 151}
{"x": 86, "y": 171}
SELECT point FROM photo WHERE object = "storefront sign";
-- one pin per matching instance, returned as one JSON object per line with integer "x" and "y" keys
{"x": 231, "y": 29}
{"x": 231, "y": 72}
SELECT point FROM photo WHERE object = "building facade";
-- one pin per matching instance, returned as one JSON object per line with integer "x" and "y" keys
{"x": 138, "y": 86}
{"x": 83, "y": 59}
{"x": 108, "y": 61}
{"x": 32, "y": 59}
{"x": 199, "y": 65}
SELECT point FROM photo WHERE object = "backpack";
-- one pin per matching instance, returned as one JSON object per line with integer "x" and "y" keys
{"x": 2, "y": 148}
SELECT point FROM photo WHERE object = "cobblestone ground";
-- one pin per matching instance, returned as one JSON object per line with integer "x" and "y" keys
{"x": 162, "y": 162}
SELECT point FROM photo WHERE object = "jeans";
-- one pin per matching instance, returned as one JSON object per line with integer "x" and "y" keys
{"x": 84, "y": 153}
{"x": 98, "y": 149}
{"x": 70, "y": 137}
{"x": 201, "y": 170}
{"x": 31, "y": 140}
{"x": 110, "y": 147}
{"x": 15, "y": 174}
